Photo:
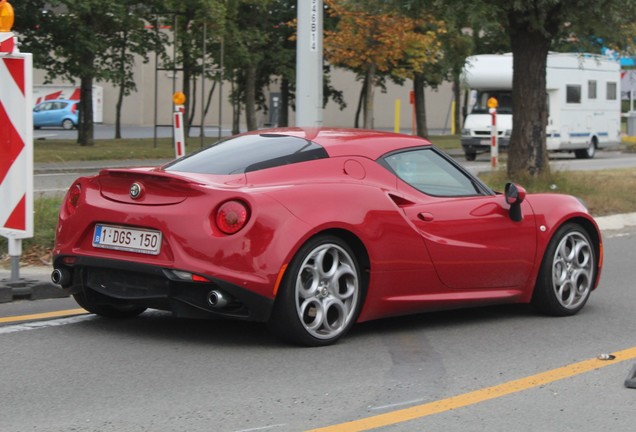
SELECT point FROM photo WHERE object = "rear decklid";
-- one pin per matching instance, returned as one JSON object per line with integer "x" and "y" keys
{"x": 153, "y": 186}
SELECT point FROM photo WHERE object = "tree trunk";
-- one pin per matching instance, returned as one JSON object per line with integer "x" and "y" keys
{"x": 236, "y": 118}
{"x": 457, "y": 98}
{"x": 236, "y": 109}
{"x": 122, "y": 84}
{"x": 193, "y": 105}
{"x": 120, "y": 101}
{"x": 85, "y": 127}
{"x": 527, "y": 152}
{"x": 250, "y": 98}
{"x": 368, "y": 97}
{"x": 187, "y": 91}
{"x": 187, "y": 80}
{"x": 419, "y": 84}
{"x": 283, "y": 113}
{"x": 363, "y": 91}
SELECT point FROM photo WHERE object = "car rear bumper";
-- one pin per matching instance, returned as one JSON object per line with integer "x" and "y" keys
{"x": 108, "y": 281}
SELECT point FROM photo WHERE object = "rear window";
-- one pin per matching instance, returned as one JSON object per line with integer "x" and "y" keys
{"x": 249, "y": 153}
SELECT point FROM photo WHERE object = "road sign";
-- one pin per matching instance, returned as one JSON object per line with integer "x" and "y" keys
{"x": 16, "y": 141}
{"x": 16, "y": 147}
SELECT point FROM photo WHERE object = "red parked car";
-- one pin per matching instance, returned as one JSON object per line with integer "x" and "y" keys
{"x": 312, "y": 230}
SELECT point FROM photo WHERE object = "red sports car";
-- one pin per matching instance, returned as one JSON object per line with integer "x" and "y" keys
{"x": 312, "y": 230}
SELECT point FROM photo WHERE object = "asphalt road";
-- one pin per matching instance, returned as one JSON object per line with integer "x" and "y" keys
{"x": 469, "y": 370}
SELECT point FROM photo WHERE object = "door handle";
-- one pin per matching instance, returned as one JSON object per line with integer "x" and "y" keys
{"x": 426, "y": 217}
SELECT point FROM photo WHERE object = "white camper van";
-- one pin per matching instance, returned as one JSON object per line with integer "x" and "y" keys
{"x": 584, "y": 104}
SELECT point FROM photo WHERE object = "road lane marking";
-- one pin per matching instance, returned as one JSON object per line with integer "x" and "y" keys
{"x": 395, "y": 405}
{"x": 477, "y": 396}
{"x": 44, "y": 315}
{"x": 263, "y": 428}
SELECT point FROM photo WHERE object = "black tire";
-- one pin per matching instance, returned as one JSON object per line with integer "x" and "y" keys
{"x": 67, "y": 124}
{"x": 111, "y": 311}
{"x": 587, "y": 153}
{"x": 321, "y": 294}
{"x": 470, "y": 156}
{"x": 567, "y": 273}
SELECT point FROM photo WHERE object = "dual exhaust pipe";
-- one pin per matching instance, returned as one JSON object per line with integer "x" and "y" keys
{"x": 216, "y": 298}
{"x": 61, "y": 276}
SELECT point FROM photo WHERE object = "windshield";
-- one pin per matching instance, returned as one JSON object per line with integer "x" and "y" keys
{"x": 504, "y": 98}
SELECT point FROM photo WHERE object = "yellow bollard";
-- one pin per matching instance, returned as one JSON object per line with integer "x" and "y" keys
{"x": 396, "y": 118}
{"x": 6, "y": 16}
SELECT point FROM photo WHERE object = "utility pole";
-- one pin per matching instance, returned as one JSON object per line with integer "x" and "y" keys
{"x": 309, "y": 63}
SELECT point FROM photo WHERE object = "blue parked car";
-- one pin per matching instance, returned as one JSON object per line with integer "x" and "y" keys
{"x": 58, "y": 112}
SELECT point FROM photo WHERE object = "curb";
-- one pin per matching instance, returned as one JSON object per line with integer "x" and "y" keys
{"x": 616, "y": 222}
{"x": 29, "y": 289}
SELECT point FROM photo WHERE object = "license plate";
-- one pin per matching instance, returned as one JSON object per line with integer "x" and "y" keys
{"x": 143, "y": 241}
{"x": 485, "y": 142}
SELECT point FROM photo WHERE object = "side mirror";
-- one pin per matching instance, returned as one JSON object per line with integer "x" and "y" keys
{"x": 515, "y": 195}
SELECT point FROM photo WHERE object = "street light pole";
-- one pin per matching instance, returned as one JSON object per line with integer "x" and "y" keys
{"x": 309, "y": 79}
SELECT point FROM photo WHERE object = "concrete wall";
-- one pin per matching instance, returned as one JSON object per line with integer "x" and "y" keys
{"x": 139, "y": 107}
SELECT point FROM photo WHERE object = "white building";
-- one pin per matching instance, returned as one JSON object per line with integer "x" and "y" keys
{"x": 139, "y": 108}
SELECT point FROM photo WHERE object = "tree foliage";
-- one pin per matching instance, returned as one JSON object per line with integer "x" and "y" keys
{"x": 194, "y": 30}
{"x": 249, "y": 34}
{"x": 380, "y": 42}
{"x": 79, "y": 40}
{"x": 133, "y": 39}
{"x": 531, "y": 29}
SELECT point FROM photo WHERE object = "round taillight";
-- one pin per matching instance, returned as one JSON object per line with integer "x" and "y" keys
{"x": 231, "y": 216}
{"x": 72, "y": 198}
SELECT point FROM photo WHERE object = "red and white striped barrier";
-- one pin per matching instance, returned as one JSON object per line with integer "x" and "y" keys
{"x": 16, "y": 143}
{"x": 494, "y": 140}
{"x": 179, "y": 134}
{"x": 7, "y": 42}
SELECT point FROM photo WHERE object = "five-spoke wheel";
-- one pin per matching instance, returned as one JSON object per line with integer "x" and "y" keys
{"x": 567, "y": 273}
{"x": 321, "y": 293}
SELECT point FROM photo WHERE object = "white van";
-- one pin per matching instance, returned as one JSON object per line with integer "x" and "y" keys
{"x": 584, "y": 105}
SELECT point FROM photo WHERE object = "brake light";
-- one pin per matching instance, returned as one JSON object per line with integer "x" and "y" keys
{"x": 72, "y": 198}
{"x": 232, "y": 216}
{"x": 74, "y": 108}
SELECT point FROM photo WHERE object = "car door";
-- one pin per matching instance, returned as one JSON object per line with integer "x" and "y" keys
{"x": 40, "y": 114}
{"x": 473, "y": 242}
{"x": 56, "y": 113}
{"x": 50, "y": 113}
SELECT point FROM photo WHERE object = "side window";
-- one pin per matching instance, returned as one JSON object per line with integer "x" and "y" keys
{"x": 573, "y": 94}
{"x": 611, "y": 91}
{"x": 427, "y": 171}
{"x": 591, "y": 89}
